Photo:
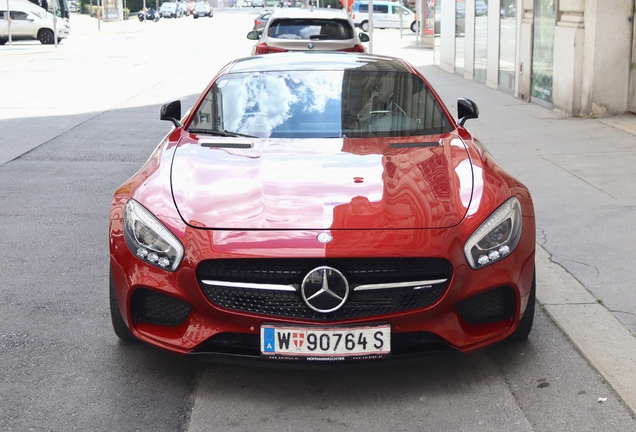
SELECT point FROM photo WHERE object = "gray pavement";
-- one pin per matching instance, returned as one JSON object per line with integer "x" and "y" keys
{"x": 582, "y": 178}
{"x": 580, "y": 172}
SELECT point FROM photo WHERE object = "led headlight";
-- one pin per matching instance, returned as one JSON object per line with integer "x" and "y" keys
{"x": 497, "y": 237}
{"x": 149, "y": 239}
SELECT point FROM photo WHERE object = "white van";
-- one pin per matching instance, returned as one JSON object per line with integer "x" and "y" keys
{"x": 386, "y": 14}
{"x": 30, "y": 21}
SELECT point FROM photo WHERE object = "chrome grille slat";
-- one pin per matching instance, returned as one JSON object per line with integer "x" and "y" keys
{"x": 388, "y": 285}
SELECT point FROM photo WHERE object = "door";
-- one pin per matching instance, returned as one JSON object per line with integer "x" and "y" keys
{"x": 394, "y": 17}
{"x": 381, "y": 16}
{"x": 22, "y": 24}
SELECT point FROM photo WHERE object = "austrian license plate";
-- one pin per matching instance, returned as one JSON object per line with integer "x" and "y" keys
{"x": 325, "y": 343}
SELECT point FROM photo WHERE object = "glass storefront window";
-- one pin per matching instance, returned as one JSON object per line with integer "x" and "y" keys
{"x": 481, "y": 40}
{"x": 507, "y": 44}
{"x": 435, "y": 6}
{"x": 543, "y": 50}
{"x": 460, "y": 28}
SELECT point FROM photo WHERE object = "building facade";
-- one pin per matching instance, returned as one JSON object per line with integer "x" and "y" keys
{"x": 575, "y": 56}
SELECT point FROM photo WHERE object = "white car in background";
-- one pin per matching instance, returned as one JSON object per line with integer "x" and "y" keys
{"x": 202, "y": 9}
{"x": 30, "y": 22}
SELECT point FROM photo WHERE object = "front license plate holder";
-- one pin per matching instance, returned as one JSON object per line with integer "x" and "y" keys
{"x": 321, "y": 344}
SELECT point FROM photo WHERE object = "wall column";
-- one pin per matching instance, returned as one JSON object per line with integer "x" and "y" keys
{"x": 524, "y": 46}
{"x": 569, "y": 50}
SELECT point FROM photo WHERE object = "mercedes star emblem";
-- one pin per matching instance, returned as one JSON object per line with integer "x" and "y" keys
{"x": 325, "y": 289}
{"x": 324, "y": 237}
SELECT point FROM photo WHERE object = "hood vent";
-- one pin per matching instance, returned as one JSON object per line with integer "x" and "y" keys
{"x": 227, "y": 145}
{"x": 415, "y": 144}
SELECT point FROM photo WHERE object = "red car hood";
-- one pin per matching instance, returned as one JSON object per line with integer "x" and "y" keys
{"x": 322, "y": 183}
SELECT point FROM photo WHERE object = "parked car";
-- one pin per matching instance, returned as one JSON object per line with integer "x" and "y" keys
{"x": 321, "y": 207}
{"x": 170, "y": 10}
{"x": 190, "y": 6}
{"x": 30, "y": 22}
{"x": 202, "y": 9}
{"x": 386, "y": 14}
{"x": 261, "y": 20}
{"x": 73, "y": 6}
{"x": 183, "y": 8}
{"x": 300, "y": 29}
{"x": 481, "y": 8}
{"x": 508, "y": 11}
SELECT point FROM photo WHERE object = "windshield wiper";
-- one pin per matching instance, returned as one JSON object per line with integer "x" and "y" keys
{"x": 223, "y": 133}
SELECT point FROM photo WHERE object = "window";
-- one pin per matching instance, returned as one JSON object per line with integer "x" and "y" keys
{"x": 376, "y": 8}
{"x": 19, "y": 16}
{"x": 398, "y": 9}
{"x": 325, "y": 104}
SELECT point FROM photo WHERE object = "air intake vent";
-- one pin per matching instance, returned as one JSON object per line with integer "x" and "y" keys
{"x": 488, "y": 307}
{"x": 152, "y": 307}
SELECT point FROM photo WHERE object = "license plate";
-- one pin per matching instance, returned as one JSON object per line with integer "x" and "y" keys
{"x": 325, "y": 343}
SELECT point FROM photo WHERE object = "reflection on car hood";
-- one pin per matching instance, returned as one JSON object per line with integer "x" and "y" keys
{"x": 322, "y": 183}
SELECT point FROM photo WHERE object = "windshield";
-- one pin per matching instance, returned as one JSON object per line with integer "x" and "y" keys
{"x": 321, "y": 104}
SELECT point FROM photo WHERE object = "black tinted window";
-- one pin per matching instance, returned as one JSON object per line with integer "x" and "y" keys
{"x": 310, "y": 29}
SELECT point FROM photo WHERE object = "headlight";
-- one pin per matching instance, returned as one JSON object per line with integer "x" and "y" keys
{"x": 149, "y": 239}
{"x": 497, "y": 237}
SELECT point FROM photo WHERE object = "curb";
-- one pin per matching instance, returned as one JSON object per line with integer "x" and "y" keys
{"x": 599, "y": 336}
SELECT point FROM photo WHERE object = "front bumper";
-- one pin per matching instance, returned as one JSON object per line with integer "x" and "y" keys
{"x": 474, "y": 309}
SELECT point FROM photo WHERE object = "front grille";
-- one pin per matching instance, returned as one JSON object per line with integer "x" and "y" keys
{"x": 491, "y": 306}
{"x": 151, "y": 307}
{"x": 358, "y": 271}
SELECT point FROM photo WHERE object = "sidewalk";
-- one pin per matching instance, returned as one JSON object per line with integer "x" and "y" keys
{"x": 582, "y": 177}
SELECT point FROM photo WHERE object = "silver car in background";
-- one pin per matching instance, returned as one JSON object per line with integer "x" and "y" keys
{"x": 300, "y": 29}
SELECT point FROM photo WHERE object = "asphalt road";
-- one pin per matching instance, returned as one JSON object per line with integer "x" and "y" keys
{"x": 75, "y": 122}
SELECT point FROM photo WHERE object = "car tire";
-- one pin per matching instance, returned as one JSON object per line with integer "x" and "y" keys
{"x": 414, "y": 26}
{"x": 364, "y": 25}
{"x": 119, "y": 325}
{"x": 195, "y": 16}
{"x": 3, "y": 41}
{"x": 525, "y": 323}
{"x": 46, "y": 37}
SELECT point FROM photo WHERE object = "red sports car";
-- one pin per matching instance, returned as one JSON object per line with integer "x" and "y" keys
{"x": 321, "y": 207}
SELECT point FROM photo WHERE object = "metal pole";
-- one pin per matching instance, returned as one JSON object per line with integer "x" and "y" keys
{"x": 401, "y": 23}
{"x": 9, "y": 22}
{"x": 99, "y": 15}
{"x": 370, "y": 26}
{"x": 54, "y": 24}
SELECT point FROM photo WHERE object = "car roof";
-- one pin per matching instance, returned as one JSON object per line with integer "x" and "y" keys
{"x": 309, "y": 13}
{"x": 318, "y": 60}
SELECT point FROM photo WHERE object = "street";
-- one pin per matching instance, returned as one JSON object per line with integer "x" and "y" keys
{"x": 76, "y": 121}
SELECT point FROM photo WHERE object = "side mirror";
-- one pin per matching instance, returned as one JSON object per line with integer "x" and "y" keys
{"x": 466, "y": 109}
{"x": 364, "y": 37}
{"x": 254, "y": 35}
{"x": 171, "y": 111}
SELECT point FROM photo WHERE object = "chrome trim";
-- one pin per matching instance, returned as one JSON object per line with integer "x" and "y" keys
{"x": 270, "y": 287}
{"x": 415, "y": 285}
